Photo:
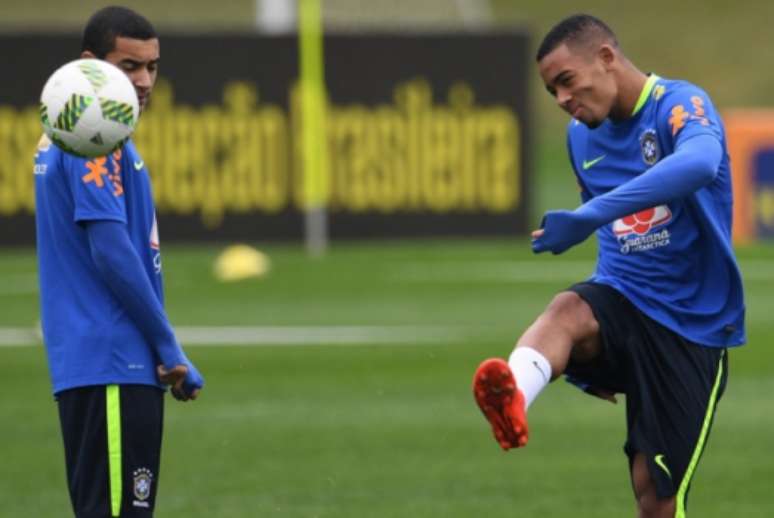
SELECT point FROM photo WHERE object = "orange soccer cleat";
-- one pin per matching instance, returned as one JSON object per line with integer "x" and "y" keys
{"x": 502, "y": 403}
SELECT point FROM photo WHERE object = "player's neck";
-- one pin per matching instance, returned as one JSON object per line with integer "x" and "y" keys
{"x": 631, "y": 83}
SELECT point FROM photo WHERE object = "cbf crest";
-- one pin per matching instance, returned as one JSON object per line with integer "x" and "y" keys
{"x": 649, "y": 146}
{"x": 143, "y": 480}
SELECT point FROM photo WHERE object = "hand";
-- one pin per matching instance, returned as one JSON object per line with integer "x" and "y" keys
{"x": 171, "y": 376}
{"x": 184, "y": 380}
{"x": 175, "y": 377}
{"x": 560, "y": 230}
{"x": 602, "y": 394}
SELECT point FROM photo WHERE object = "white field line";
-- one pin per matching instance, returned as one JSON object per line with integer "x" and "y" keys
{"x": 18, "y": 336}
{"x": 287, "y": 335}
{"x": 319, "y": 335}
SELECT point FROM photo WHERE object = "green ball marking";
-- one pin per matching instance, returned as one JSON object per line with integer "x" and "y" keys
{"x": 72, "y": 112}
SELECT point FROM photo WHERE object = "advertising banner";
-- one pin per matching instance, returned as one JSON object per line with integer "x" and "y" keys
{"x": 428, "y": 134}
{"x": 751, "y": 148}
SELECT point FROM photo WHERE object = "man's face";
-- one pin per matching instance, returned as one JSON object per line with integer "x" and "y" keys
{"x": 139, "y": 59}
{"x": 581, "y": 81}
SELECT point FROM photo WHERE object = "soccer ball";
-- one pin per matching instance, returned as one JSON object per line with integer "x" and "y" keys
{"x": 89, "y": 107}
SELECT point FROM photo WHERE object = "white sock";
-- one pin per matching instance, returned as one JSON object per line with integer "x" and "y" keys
{"x": 531, "y": 370}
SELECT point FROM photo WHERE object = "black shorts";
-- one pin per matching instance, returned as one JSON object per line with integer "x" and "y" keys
{"x": 112, "y": 442}
{"x": 672, "y": 386}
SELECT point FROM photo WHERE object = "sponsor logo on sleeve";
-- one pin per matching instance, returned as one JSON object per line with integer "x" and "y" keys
{"x": 98, "y": 172}
{"x": 678, "y": 118}
{"x": 698, "y": 110}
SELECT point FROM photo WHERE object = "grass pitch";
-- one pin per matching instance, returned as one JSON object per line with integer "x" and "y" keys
{"x": 332, "y": 430}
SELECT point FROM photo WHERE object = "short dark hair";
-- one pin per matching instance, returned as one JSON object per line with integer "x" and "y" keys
{"x": 574, "y": 29}
{"x": 104, "y": 26}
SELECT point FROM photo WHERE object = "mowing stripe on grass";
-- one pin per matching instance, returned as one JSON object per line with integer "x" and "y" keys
{"x": 18, "y": 284}
{"x": 527, "y": 272}
{"x": 539, "y": 271}
{"x": 546, "y": 271}
{"x": 287, "y": 335}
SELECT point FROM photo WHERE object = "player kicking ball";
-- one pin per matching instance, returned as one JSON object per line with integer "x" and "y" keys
{"x": 665, "y": 302}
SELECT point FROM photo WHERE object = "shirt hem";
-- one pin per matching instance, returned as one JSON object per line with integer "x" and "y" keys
{"x": 61, "y": 387}
{"x": 702, "y": 341}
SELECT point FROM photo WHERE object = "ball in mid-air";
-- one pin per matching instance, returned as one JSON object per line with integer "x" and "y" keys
{"x": 89, "y": 107}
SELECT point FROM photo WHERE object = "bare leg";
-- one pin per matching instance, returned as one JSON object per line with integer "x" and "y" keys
{"x": 566, "y": 328}
{"x": 649, "y": 505}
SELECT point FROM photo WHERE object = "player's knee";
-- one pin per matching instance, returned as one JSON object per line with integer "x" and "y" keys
{"x": 650, "y": 506}
{"x": 570, "y": 311}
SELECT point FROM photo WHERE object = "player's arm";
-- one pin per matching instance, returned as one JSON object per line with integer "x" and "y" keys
{"x": 693, "y": 165}
{"x": 121, "y": 269}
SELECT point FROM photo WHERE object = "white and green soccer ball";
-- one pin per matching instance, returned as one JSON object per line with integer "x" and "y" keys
{"x": 89, "y": 107}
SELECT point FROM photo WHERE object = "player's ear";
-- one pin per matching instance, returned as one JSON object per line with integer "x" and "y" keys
{"x": 87, "y": 54}
{"x": 606, "y": 54}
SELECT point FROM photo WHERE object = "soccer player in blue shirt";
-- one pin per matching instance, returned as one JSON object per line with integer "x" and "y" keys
{"x": 665, "y": 302}
{"x": 111, "y": 350}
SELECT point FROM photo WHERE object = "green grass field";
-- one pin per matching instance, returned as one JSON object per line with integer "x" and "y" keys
{"x": 390, "y": 429}
{"x": 382, "y": 430}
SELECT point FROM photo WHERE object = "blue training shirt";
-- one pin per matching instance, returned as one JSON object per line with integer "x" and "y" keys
{"x": 675, "y": 261}
{"x": 89, "y": 338}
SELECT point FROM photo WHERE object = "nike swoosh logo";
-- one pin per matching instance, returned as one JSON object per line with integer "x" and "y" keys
{"x": 138, "y": 165}
{"x": 590, "y": 163}
{"x": 659, "y": 460}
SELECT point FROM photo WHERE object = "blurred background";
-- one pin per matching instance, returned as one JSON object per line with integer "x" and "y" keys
{"x": 340, "y": 337}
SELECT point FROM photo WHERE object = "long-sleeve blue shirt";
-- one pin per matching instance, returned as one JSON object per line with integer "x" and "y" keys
{"x": 657, "y": 189}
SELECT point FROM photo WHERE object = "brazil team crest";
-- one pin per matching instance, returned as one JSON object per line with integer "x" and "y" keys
{"x": 649, "y": 147}
{"x": 143, "y": 479}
